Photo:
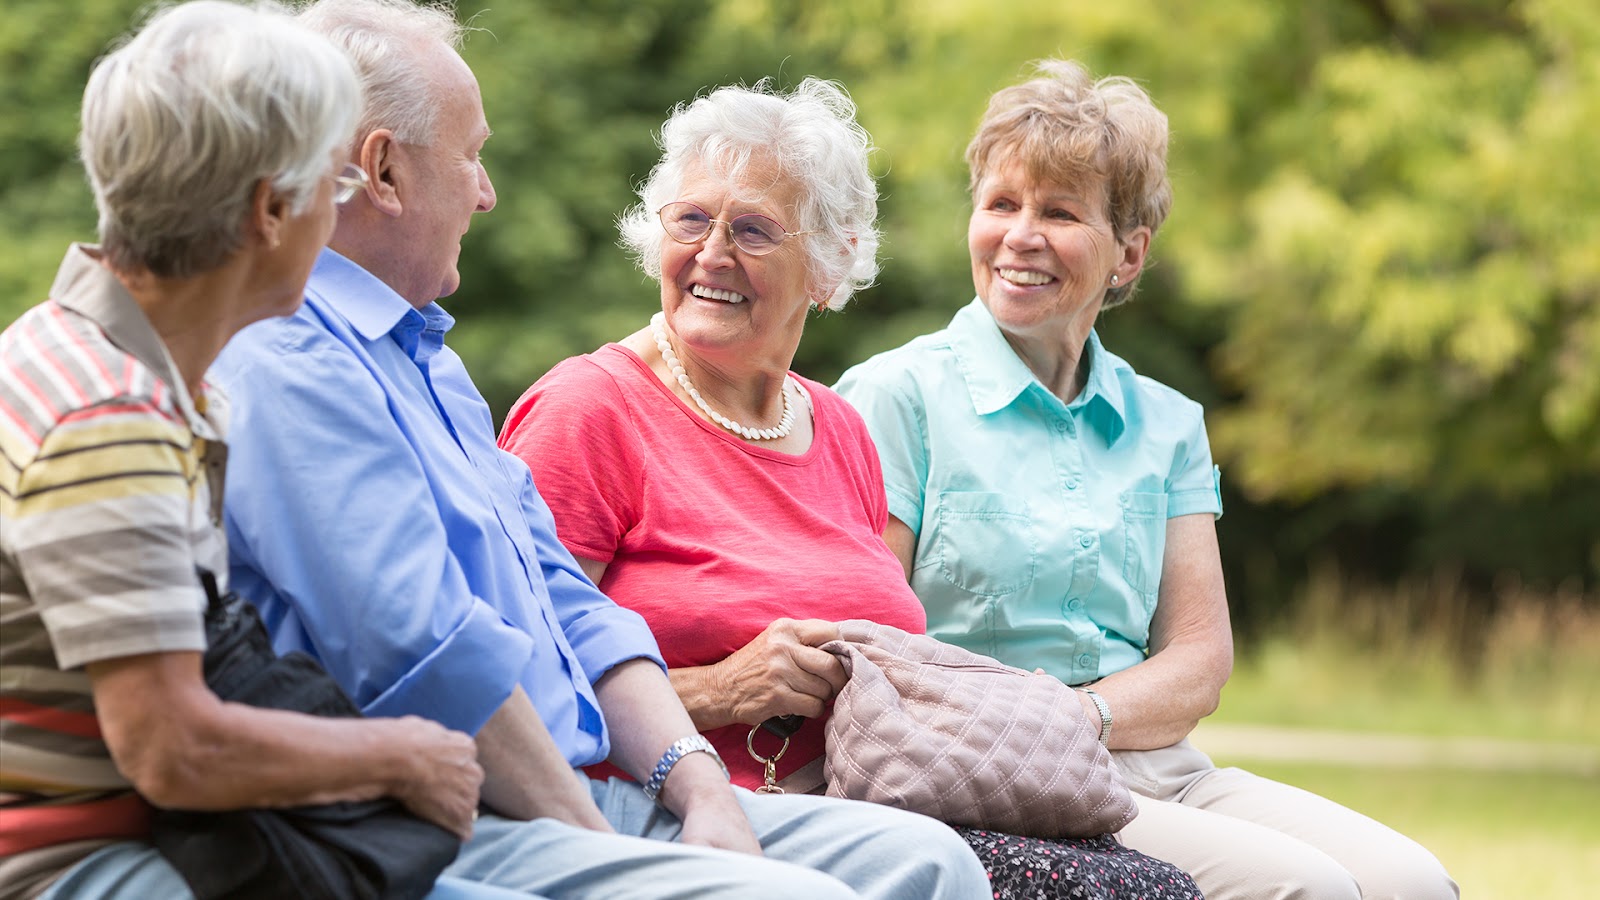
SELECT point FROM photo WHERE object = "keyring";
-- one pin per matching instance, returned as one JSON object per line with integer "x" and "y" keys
{"x": 770, "y": 763}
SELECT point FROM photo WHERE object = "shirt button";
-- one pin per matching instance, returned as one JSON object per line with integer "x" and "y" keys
{"x": 1061, "y": 427}
{"x": 1072, "y": 484}
{"x": 1074, "y": 604}
{"x": 1086, "y": 541}
{"x": 1085, "y": 660}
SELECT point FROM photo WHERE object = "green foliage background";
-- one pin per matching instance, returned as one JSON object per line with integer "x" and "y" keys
{"x": 1381, "y": 275}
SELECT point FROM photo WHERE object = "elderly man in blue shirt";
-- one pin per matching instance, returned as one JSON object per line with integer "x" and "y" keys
{"x": 378, "y": 528}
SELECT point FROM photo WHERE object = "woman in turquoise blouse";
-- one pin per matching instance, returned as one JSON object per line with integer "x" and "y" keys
{"x": 1054, "y": 509}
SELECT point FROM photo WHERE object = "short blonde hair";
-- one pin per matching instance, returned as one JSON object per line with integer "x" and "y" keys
{"x": 181, "y": 122}
{"x": 1063, "y": 126}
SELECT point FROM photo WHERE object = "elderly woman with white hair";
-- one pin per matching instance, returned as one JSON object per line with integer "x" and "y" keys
{"x": 213, "y": 141}
{"x": 734, "y": 504}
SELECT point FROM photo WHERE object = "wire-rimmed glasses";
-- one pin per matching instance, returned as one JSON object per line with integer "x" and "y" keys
{"x": 753, "y": 233}
{"x": 351, "y": 180}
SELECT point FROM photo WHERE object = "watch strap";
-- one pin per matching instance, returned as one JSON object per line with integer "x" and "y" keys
{"x": 1105, "y": 714}
{"x": 694, "y": 743}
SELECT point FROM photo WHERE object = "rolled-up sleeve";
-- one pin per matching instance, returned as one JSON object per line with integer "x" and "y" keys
{"x": 454, "y": 682}
{"x": 1195, "y": 483}
{"x": 335, "y": 534}
{"x": 601, "y": 633}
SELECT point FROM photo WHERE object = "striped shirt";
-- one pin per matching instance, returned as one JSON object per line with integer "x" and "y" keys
{"x": 110, "y": 497}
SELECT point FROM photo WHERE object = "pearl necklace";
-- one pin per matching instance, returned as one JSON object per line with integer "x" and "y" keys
{"x": 785, "y": 424}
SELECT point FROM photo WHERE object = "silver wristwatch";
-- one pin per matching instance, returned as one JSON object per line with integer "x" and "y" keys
{"x": 1105, "y": 715}
{"x": 680, "y": 748}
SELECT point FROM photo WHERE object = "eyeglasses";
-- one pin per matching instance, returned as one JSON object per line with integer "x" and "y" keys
{"x": 753, "y": 233}
{"x": 351, "y": 180}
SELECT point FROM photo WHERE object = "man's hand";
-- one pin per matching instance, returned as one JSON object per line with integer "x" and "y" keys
{"x": 526, "y": 775}
{"x": 638, "y": 703}
{"x": 443, "y": 787}
{"x": 711, "y": 814}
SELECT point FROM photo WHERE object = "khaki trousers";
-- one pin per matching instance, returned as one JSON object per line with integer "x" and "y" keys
{"x": 1244, "y": 836}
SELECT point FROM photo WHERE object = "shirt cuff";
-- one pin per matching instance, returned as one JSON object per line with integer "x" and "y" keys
{"x": 466, "y": 678}
{"x": 1197, "y": 500}
{"x": 605, "y": 638}
{"x": 906, "y": 509}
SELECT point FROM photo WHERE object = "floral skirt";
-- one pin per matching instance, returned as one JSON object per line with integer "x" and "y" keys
{"x": 1097, "y": 868}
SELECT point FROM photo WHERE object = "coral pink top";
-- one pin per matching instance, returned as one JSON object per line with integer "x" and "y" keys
{"x": 708, "y": 537}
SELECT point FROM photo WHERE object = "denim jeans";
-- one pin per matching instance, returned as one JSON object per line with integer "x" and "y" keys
{"x": 133, "y": 870}
{"x": 815, "y": 847}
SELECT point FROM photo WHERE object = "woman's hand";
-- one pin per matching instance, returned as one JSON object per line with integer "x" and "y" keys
{"x": 1159, "y": 701}
{"x": 444, "y": 786}
{"x": 779, "y": 673}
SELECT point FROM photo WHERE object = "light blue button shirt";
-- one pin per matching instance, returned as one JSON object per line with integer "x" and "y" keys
{"x": 1040, "y": 524}
{"x": 378, "y": 528}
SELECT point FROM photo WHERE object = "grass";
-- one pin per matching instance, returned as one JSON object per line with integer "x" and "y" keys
{"x": 1413, "y": 659}
{"x": 1499, "y": 835}
{"x": 1421, "y": 659}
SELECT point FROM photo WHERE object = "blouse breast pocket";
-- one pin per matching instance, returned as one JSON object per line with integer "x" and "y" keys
{"x": 985, "y": 542}
{"x": 1144, "y": 528}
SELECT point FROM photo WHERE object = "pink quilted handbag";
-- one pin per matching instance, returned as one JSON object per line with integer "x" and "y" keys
{"x": 935, "y": 729}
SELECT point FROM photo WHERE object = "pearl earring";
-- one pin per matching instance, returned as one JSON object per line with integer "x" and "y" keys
{"x": 1113, "y": 280}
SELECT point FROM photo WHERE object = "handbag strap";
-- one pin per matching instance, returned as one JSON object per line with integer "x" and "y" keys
{"x": 208, "y": 581}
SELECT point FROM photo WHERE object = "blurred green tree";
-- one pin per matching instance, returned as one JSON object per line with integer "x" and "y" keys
{"x": 1381, "y": 274}
{"x": 46, "y": 50}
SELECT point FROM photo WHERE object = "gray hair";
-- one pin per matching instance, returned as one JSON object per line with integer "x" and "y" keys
{"x": 812, "y": 136}
{"x": 183, "y": 120}
{"x": 382, "y": 37}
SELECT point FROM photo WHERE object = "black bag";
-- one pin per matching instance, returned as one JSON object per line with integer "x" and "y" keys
{"x": 336, "y": 851}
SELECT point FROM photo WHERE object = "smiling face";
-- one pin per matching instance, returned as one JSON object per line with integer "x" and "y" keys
{"x": 719, "y": 300}
{"x": 447, "y": 184}
{"x": 1043, "y": 254}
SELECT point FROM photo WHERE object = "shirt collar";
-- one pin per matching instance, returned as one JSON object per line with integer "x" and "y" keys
{"x": 996, "y": 376}
{"x": 85, "y": 286}
{"x": 1103, "y": 393}
{"x": 374, "y": 310}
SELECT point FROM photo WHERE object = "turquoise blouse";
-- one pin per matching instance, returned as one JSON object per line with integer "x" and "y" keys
{"x": 1040, "y": 524}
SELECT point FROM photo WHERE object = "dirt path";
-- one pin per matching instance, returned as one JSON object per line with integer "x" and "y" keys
{"x": 1259, "y": 742}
